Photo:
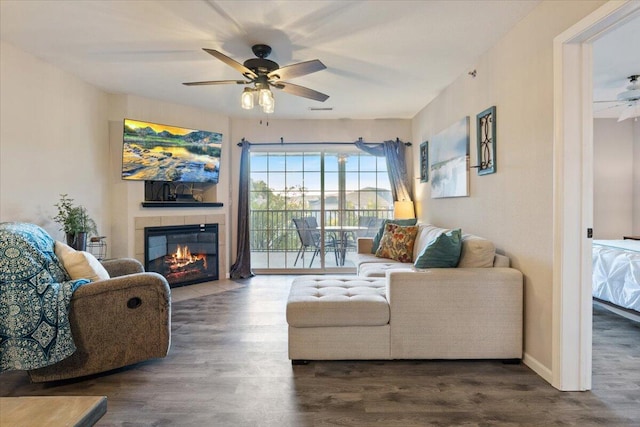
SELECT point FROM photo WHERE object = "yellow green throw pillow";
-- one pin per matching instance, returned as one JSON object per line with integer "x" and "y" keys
{"x": 378, "y": 236}
{"x": 397, "y": 242}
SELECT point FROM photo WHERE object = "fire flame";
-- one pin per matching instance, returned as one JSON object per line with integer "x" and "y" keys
{"x": 183, "y": 257}
{"x": 183, "y": 253}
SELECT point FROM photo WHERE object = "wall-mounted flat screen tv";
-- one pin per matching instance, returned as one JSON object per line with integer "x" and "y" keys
{"x": 155, "y": 152}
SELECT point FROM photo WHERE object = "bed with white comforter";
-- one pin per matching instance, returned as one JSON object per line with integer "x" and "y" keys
{"x": 616, "y": 272}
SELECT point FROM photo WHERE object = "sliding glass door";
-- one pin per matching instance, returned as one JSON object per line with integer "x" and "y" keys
{"x": 308, "y": 207}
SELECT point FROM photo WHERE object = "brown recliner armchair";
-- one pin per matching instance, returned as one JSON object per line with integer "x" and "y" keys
{"x": 116, "y": 322}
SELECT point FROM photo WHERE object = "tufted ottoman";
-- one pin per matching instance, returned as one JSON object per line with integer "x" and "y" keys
{"x": 333, "y": 318}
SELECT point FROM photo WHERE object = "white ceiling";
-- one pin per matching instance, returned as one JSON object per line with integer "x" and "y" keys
{"x": 385, "y": 59}
{"x": 616, "y": 56}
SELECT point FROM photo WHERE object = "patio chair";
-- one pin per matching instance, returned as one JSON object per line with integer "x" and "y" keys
{"x": 369, "y": 227}
{"x": 310, "y": 238}
{"x": 372, "y": 224}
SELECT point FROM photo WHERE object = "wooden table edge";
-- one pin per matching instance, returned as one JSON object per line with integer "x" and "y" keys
{"x": 96, "y": 407}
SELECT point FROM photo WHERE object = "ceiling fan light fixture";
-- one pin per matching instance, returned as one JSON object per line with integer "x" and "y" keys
{"x": 246, "y": 100}
{"x": 263, "y": 73}
{"x": 633, "y": 90}
{"x": 265, "y": 97}
{"x": 270, "y": 107}
{"x": 631, "y": 94}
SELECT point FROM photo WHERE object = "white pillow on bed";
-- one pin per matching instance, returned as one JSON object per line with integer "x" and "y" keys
{"x": 80, "y": 264}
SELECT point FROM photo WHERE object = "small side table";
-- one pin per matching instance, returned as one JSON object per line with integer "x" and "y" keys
{"x": 97, "y": 247}
{"x": 52, "y": 411}
{"x": 631, "y": 237}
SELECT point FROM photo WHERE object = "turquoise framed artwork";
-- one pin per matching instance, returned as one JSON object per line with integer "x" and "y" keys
{"x": 486, "y": 127}
{"x": 424, "y": 162}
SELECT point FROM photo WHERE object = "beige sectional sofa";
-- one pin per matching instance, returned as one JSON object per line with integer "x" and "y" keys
{"x": 477, "y": 252}
{"x": 394, "y": 311}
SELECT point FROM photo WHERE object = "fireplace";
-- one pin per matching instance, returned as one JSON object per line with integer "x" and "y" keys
{"x": 183, "y": 254}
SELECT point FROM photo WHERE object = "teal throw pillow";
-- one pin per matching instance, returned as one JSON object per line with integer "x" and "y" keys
{"x": 402, "y": 222}
{"x": 442, "y": 252}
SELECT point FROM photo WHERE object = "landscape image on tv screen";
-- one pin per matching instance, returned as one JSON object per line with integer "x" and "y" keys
{"x": 155, "y": 152}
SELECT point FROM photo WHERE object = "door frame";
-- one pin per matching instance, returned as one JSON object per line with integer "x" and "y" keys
{"x": 573, "y": 194}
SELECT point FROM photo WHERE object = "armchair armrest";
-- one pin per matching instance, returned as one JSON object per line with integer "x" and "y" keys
{"x": 122, "y": 266}
{"x": 365, "y": 244}
{"x": 127, "y": 283}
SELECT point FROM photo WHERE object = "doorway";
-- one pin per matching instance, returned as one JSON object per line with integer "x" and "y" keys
{"x": 573, "y": 194}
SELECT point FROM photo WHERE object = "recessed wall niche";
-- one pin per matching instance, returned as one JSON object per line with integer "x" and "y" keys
{"x": 160, "y": 191}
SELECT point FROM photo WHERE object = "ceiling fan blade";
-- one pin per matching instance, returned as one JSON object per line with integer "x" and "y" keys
{"x": 232, "y": 62}
{"x": 216, "y": 82}
{"x": 603, "y": 108}
{"x": 632, "y": 110}
{"x": 297, "y": 70}
{"x": 301, "y": 91}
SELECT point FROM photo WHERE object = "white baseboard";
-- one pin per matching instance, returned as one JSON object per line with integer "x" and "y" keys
{"x": 624, "y": 312}
{"x": 538, "y": 368}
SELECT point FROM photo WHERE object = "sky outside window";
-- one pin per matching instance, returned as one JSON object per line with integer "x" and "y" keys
{"x": 284, "y": 171}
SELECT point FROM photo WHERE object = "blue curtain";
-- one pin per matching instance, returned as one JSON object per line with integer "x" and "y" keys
{"x": 241, "y": 269}
{"x": 393, "y": 151}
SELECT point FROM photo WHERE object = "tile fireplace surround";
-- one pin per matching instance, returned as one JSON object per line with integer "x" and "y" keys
{"x": 158, "y": 221}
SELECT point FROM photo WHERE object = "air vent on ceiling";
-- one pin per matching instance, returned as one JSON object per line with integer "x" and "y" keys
{"x": 320, "y": 108}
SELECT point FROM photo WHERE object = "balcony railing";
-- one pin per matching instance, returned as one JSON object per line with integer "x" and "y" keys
{"x": 273, "y": 230}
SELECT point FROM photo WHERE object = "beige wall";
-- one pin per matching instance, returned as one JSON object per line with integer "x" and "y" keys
{"x": 514, "y": 206}
{"x": 342, "y": 130}
{"x": 127, "y": 195}
{"x": 53, "y": 139}
{"x": 613, "y": 196}
{"x": 59, "y": 134}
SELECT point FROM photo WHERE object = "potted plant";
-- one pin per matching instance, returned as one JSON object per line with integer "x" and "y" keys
{"x": 75, "y": 222}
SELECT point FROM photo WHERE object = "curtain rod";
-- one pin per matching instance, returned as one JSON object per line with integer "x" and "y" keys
{"x": 408, "y": 144}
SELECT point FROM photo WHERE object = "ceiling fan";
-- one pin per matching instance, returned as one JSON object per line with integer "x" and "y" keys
{"x": 629, "y": 98}
{"x": 263, "y": 73}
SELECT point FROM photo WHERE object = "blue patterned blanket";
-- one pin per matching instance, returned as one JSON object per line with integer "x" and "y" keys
{"x": 35, "y": 293}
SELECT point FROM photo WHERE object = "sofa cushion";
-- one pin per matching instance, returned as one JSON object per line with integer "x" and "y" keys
{"x": 379, "y": 269}
{"x": 397, "y": 242}
{"x": 443, "y": 252}
{"x": 378, "y": 236}
{"x": 337, "y": 301}
{"x": 80, "y": 264}
{"x": 476, "y": 252}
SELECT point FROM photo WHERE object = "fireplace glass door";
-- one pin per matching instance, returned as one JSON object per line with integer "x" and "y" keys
{"x": 184, "y": 254}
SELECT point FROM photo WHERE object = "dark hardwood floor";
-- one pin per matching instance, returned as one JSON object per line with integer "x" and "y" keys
{"x": 228, "y": 366}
